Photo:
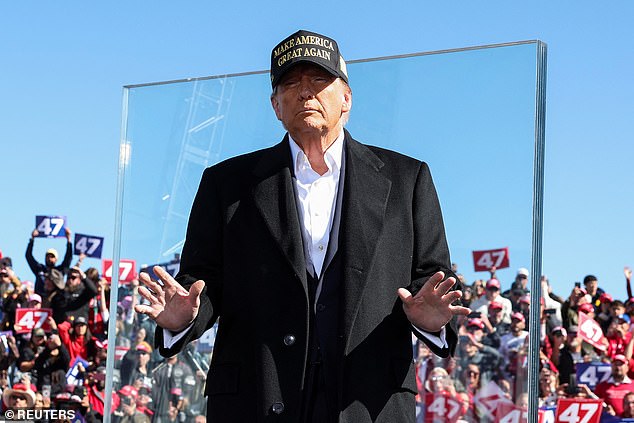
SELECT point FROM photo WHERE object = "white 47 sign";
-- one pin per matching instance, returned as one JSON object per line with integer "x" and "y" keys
{"x": 50, "y": 226}
{"x": 576, "y": 410}
{"x": 486, "y": 259}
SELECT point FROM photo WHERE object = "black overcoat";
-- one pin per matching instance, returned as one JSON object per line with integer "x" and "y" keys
{"x": 244, "y": 240}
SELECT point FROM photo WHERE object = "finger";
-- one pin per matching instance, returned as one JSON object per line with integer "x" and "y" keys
{"x": 459, "y": 310}
{"x": 145, "y": 293}
{"x": 152, "y": 285}
{"x": 147, "y": 310}
{"x": 168, "y": 280}
{"x": 446, "y": 285}
{"x": 451, "y": 297}
{"x": 195, "y": 290}
{"x": 429, "y": 286}
{"x": 405, "y": 296}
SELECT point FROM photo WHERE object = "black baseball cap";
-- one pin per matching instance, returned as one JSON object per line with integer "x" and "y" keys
{"x": 306, "y": 46}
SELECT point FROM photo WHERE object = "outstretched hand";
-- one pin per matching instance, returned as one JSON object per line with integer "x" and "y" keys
{"x": 431, "y": 309}
{"x": 171, "y": 306}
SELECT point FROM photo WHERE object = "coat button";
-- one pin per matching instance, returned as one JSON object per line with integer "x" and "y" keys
{"x": 320, "y": 307}
{"x": 289, "y": 340}
{"x": 277, "y": 407}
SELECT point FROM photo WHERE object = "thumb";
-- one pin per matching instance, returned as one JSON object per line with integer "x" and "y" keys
{"x": 195, "y": 290}
{"x": 405, "y": 295}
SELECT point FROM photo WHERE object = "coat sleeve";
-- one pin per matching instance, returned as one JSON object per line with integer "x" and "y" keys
{"x": 431, "y": 253}
{"x": 201, "y": 259}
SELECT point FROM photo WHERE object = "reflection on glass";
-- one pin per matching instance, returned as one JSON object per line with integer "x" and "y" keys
{"x": 469, "y": 114}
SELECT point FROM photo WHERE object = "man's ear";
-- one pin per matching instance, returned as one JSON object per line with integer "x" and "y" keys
{"x": 346, "y": 105}
{"x": 276, "y": 107}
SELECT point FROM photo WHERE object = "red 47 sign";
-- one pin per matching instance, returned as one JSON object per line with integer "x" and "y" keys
{"x": 509, "y": 413}
{"x": 590, "y": 331}
{"x": 577, "y": 410}
{"x": 127, "y": 270}
{"x": 28, "y": 318}
{"x": 486, "y": 259}
{"x": 441, "y": 408}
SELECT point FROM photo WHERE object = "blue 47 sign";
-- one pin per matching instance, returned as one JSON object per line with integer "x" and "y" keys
{"x": 50, "y": 226}
{"x": 89, "y": 245}
{"x": 592, "y": 374}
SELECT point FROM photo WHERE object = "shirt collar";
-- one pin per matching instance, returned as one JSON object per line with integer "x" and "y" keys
{"x": 625, "y": 380}
{"x": 333, "y": 155}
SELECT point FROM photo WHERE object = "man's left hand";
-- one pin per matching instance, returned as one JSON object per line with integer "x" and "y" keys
{"x": 431, "y": 309}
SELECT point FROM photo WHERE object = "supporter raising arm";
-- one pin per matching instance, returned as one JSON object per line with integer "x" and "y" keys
{"x": 628, "y": 277}
{"x": 50, "y": 260}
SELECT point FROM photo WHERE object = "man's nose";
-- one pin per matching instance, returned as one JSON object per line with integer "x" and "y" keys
{"x": 306, "y": 88}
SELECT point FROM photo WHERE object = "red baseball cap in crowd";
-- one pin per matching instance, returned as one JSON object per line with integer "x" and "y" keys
{"x": 128, "y": 391}
{"x": 517, "y": 315}
{"x": 586, "y": 308}
{"x": 525, "y": 299}
{"x": 494, "y": 305}
{"x": 493, "y": 283}
{"x": 559, "y": 329}
{"x": 605, "y": 298}
{"x": 619, "y": 357}
{"x": 475, "y": 323}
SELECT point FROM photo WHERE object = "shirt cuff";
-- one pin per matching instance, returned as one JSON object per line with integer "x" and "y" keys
{"x": 439, "y": 340}
{"x": 170, "y": 338}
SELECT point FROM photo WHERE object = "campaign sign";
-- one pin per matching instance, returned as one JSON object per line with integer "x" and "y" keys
{"x": 4, "y": 342}
{"x": 484, "y": 260}
{"x": 50, "y": 226}
{"x": 441, "y": 407}
{"x": 206, "y": 342}
{"x": 510, "y": 413}
{"x": 488, "y": 399}
{"x": 591, "y": 332}
{"x": 171, "y": 267}
{"x": 74, "y": 375}
{"x": 28, "y": 318}
{"x": 119, "y": 352}
{"x": 127, "y": 270}
{"x": 546, "y": 415}
{"x": 578, "y": 410}
{"x": 593, "y": 373}
{"x": 89, "y": 245}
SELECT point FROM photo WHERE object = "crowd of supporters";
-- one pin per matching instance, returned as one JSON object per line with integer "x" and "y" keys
{"x": 586, "y": 348}
{"x": 60, "y": 364}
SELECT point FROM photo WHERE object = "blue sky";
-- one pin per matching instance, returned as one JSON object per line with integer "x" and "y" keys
{"x": 64, "y": 64}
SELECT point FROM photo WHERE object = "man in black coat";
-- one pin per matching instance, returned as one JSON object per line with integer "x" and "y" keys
{"x": 319, "y": 256}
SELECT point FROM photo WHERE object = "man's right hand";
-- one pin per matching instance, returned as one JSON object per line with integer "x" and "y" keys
{"x": 171, "y": 306}
{"x": 35, "y": 233}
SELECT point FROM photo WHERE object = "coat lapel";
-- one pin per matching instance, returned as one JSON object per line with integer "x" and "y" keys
{"x": 365, "y": 197}
{"x": 274, "y": 197}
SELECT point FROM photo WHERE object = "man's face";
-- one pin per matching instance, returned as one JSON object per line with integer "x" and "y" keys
{"x": 492, "y": 293}
{"x": 517, "y": 325}
{"x": 4, "y": 276}
{"x": 495, "y": 315}
{"x": 50, "y": 260}
{"x": 74, "y": 279}
{"x": 591, "y": 287}
{"x": 619, "y": 369}
{"x": 309, "y": 99}
{"x": 38, "y": 340}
